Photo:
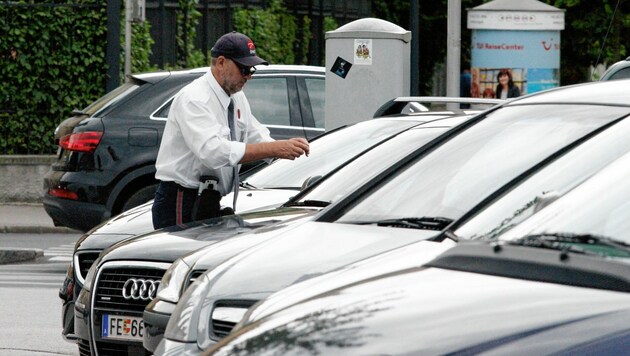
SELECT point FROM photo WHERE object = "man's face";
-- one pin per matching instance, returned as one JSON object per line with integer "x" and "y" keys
{"x": 232, "y": 79}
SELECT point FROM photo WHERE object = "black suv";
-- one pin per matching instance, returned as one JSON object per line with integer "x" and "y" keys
{"x": 106, "y": 157}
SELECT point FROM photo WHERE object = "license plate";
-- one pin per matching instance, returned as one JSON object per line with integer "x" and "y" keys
{"x": 122, "y": 327}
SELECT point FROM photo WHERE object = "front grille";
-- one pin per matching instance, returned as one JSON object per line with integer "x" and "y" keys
{"x": 116, "y": 349}
{"x": 84, "y": 347}
{"x": 109, "y": 286}
{"x": 86, "y": 259}
{"x": 222, "y": 328}
{"x": 193, "y": 277}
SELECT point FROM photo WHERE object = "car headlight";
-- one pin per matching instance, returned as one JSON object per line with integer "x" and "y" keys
{"x": 182, "y": 325}
{"x": 173, "y": 281}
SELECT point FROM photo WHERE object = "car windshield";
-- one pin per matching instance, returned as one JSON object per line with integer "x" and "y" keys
{"x": 460, "y": 173}
{"x": 598, "y": 209}
{"x": 366, "y": 167}
{"x": 547, "y": 185}
{"x": 326, "y": 154}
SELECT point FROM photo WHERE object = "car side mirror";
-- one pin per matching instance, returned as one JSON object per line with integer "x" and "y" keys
{"x": 310, "y": 181}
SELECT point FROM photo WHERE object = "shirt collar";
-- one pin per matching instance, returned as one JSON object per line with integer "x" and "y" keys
{"x": 224, "y": 99}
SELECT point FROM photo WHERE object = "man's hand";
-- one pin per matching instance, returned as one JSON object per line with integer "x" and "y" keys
{"x": 286, "y": 149}
{"x": 291, "y": 148}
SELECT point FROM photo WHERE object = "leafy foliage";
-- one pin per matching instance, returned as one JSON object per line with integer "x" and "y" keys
{"x": 274, "y": 27}
{"x": 52, "y": 59}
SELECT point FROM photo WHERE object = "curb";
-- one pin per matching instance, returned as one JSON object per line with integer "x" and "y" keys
{"x": 15, "y": 255}
{"x": 37, "y": 230}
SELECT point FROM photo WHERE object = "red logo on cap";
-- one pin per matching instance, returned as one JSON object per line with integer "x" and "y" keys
{"x": 252, "y": 48}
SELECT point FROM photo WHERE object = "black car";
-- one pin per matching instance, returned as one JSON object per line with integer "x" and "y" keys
{"x": 557, "y": 283}
{"x": 106, "y": 157}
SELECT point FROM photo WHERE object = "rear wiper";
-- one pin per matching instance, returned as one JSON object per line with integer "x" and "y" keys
{"x": 565, "y": 242}
{"x": 424, "y": 223}
{"x": 314, "y": 203}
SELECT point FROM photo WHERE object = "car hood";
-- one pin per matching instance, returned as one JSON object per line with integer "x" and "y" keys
{"x": 405, "y": 257}
{"x": 438, "y": 311}
{"x": 171, "y": 243}
{"x": 311, "y": 249}
{"x": 139, "y": 220}
{"x": 255, "y": 199}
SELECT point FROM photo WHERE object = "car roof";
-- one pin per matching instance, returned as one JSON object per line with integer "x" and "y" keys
{"x": 609, "y": 93}
{"x": 272, "y": 68}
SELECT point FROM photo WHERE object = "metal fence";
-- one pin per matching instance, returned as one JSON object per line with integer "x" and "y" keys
{"x": 217, "y": 15}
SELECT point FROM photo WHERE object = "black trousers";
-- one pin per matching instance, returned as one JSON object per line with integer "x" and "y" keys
{"x": 173, "y": 205}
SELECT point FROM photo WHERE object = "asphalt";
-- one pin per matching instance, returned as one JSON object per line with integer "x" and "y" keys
{"x": 25, "y": 218}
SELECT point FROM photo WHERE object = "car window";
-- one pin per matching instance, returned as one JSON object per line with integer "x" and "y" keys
{"x": 366, "y": 167}
{"x": 162, "y": 113}
{"x": 326, "y": 154}
{"x": 551, "y": 182}
{"x": 621, "y": 74}
{"x": 316, "y": 93}
{"x": 111, "y": 97}
{"x": 459, "y": 174}
{"x": 599, "y": 206}
{"x": 269, "y": 100}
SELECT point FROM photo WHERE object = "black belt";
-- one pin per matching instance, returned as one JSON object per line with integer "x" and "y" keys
{"x": 175, "y": 186}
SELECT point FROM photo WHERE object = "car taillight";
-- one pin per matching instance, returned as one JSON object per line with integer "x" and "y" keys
{"x": 62, "y": 193}
{"x": 82, "y": 142}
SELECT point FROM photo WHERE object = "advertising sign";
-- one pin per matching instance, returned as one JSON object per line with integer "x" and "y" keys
{"x": 531, "y": 57}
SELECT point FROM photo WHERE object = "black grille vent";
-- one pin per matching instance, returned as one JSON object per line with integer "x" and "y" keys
{"x": 116, "y": 349}
{"x": 86, "y": 259}
{"x": 222, "y": 328}
{"x": 110, "y": 283}
{"x": 193, "y": 277}
{"x": 84, "y": 348}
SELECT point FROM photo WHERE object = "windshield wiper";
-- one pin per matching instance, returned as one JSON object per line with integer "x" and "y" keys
{"x": 565, "y": 242}
{"x": 244, "y": 184}
{"x": 424, "y": 223}
{"x": 315, "y": 203}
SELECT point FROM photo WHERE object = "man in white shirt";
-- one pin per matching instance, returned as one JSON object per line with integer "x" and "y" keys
{"x": 198, "y": 140}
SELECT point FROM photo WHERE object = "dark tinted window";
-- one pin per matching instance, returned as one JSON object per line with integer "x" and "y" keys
{"x": 316, "y": 92}
{"x": 621, "y": 74}
{"x": 269, "y": 100}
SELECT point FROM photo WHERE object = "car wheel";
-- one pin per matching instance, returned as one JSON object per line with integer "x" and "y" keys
{"x": 140, "y": 197}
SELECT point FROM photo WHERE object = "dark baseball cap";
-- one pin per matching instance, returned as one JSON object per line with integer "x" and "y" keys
{"x": 237, "y": 47}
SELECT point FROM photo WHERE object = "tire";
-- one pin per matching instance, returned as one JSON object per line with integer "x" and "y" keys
{"x": 140, "y": 197}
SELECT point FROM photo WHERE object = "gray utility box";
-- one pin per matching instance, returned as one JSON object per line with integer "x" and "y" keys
{"x": 367, "y": 64}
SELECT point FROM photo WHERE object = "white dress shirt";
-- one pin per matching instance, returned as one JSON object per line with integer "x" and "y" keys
{"x": 196, "y": 139}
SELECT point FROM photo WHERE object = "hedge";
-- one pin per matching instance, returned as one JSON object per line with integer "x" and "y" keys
{"x": 53, "y": 59}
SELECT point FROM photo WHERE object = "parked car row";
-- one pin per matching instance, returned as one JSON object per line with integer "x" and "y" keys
{"x": 394, "y": 227}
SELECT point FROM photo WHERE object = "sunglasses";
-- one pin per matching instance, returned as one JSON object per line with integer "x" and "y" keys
{"x": 245, "y": 71}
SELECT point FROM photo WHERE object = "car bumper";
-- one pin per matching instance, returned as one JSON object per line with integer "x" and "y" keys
{"x": 74, "y": 214}
{"x": 171, "y": 347}
{"x": 81, "y": 321}
{"x": 156, "y": 316}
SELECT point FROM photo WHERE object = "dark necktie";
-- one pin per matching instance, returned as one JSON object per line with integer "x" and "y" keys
{"x": 235, "y": 180}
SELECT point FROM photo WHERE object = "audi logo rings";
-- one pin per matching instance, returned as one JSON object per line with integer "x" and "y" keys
{"x": 140, "y": 289}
